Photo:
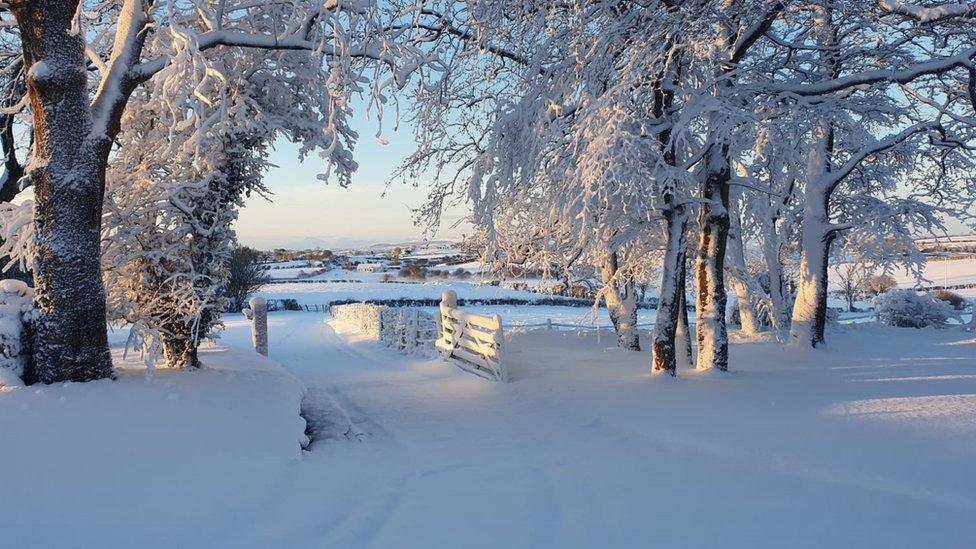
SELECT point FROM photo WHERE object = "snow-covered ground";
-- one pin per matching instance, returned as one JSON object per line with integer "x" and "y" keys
{"x": 514, "y": 316}
{"x": 943, "y": 272}
{"x": 162, "y": 460}
{"x": 868, "y": 443}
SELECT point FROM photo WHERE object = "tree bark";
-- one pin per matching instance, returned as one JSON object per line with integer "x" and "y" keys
{"x": 711, "y": 330}
{"x": 810, "y": 309}
{"x": 180, "y": 352}
{"x": 816, "y": 236}
{"x": 67, "y": 171}
{"x": 621, "y": 303}
{"x": 772, "y": 250}
{"x": 670, "y": 302}
{"x": 683, "y": 332}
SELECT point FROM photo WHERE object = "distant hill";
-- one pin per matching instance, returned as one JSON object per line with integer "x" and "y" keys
{"x": 418, "y": 244}
{"x": 339, "y": 243}
{"x": 316, "y": 243}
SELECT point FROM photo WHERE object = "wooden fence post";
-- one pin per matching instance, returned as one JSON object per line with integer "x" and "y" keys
{"x": 499, "y": 350}
{"x": 259, "y": 324}
{"x": 448, "y": 301}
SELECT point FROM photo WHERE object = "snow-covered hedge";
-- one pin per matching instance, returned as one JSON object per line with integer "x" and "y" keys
{"x": 365, "y": 317}
{"x": 405, "y": 329}
{"x": 909, "y": 309}
{"x": 16, "y": 300}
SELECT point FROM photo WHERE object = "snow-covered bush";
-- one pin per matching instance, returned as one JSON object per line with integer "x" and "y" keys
{"x": 15, "y": 301}
{"x": 908, "y": 309}
{"x": 365, "y": 317}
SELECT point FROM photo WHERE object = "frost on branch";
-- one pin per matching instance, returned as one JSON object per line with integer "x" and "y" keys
{"x": 197, "y": 144}
{"x": 17, "y": 234}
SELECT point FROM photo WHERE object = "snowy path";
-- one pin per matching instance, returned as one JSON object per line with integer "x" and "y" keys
{"x": 585, "y": 449}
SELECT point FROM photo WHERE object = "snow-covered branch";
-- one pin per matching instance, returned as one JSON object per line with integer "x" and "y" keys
{"x": 929, "y": 14}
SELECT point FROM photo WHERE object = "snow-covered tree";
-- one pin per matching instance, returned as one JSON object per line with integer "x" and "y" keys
{"x": 175, "y": 186}
{"x": 75, "y": 121}
{"x": 820, "y": 114}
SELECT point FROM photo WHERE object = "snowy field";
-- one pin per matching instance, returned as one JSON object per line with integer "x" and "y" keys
{"x": 584, "y": 448}
{"x": 867, "y": 443}
{"x": 326, "y": 292}
{"x": 937, "y": 272}
{"x": 535, "y": 315}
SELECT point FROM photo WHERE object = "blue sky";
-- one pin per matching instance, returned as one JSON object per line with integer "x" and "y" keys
{"x": 367, "y": 212}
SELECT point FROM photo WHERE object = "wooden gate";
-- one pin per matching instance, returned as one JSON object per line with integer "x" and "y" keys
{"x": 473, "y": 341}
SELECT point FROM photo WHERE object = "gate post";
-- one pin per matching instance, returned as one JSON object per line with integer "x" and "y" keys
{"x": 259, "y": 324}
{"x": 448, "y": 302}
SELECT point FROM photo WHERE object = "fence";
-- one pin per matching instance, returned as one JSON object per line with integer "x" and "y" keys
{"x": 410, "y": 331}
{"x": 474, "y": 341}
{"x": 257, "y": 312}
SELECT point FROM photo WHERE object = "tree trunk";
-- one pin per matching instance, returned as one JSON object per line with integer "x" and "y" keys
{"x": 621, "y": 305}
{"x": 816, "y": 236}
{"x": 683, "y": 332}
{"x": 780, "y": 315}
{"x": 741, "y": 281}
{"x": 180, "y": 352}
{"x": 810, "y": 308}
{"x": 711, "y": 331}
{"x": 67, "y": 172}
{"x": 663, "y": 347}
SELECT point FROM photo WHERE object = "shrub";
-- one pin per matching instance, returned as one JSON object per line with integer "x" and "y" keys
{"x": 413, "y": 271}
{"x": 288, "y": 304}
{"x": 908, "y": 309}
{"x": 244, "y": 276}
{"x": 879, "y": 284}
{"x": 461, "y": 273}
{"x": 957, "y": 301}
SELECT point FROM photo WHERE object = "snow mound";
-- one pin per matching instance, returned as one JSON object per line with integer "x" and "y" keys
{"x": 99, "y": 464}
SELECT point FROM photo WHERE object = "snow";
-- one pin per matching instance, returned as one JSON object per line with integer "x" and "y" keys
{"x": 326, "y": 292}
{"x": 515, "y": 316}
{"x": 867, "y": 442}
{"x": 41, "y": 71}
{"x": 937, "y": 272}
{"x": 168, "y": 459}
{"x": 15, "y": 303}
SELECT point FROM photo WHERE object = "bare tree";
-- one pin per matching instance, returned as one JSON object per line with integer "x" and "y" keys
{"x": 852, "y": 277}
